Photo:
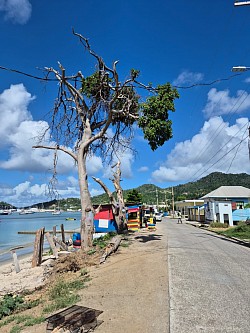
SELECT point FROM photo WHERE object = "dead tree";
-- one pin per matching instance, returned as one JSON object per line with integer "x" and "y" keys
{"x": 118, "y": 205}
{"x": 86, "y": 107}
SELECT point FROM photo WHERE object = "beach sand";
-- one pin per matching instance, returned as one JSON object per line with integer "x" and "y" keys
{"x": 27, "y": 279}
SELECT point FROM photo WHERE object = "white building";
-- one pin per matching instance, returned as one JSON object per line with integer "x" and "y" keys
{"x": 226, "y": 204}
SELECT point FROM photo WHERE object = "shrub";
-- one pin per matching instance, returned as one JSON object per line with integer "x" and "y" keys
{"x": 218, "y": 225}
{"x": 9, "y": 304}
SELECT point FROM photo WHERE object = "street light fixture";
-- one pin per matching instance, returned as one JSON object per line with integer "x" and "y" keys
{"x": 241, "y": 3}
{"x": 240, "y": 68}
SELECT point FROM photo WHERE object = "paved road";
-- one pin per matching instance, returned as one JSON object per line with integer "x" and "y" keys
{"x": 209, "y": 281}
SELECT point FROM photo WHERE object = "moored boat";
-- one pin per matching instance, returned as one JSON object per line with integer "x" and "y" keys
{"x": 58, "y": 212}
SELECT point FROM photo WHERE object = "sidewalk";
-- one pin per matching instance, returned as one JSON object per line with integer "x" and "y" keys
{"x": 131, "y": 287}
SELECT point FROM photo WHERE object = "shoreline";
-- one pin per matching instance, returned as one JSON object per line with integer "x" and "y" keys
{"x": 22, "y": 253}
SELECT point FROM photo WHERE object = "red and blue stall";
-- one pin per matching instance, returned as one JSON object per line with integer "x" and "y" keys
{"x": 104, "y": 220}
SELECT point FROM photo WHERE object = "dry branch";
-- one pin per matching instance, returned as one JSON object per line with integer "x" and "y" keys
{"x": 112, "y": 247}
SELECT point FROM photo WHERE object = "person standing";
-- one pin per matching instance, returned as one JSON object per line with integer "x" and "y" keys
{"x": 179, "y": 217}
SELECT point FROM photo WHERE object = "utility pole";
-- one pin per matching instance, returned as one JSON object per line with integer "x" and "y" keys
{"x": 173, "y": 200}
{"x": 157, "y": 200}
{"x": 241, "y": 3}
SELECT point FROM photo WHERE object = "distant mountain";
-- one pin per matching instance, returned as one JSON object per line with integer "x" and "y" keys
{"x": 152, "y": 194}
{"x": 191, "y": 190}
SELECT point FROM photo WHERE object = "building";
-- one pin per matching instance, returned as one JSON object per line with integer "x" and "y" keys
{"x": 227, "y": 204}
{"x": 185, "y": 205}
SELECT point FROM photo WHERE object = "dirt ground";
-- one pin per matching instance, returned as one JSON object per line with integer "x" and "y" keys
{"x": 131, "y": 287}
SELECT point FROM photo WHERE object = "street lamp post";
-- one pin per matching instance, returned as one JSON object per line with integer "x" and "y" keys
{"x": 241, "y": 3}
{"x": 240, "y": 69}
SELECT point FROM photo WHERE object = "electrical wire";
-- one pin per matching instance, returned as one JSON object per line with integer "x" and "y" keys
{"x": 222, "y": 157}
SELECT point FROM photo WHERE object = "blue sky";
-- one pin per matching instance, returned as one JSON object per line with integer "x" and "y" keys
{"x": 182, "y": 42}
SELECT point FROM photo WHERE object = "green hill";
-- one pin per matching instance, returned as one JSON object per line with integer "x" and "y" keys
{"x": 191, "y": 190}
{"x": 150, "y": 192}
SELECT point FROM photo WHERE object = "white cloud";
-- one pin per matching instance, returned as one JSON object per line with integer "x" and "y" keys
{"x": 206, "y": 152}
{"x": 19, "y": 132}
{"x": 220, "y": 103}
{"x": 143, "y": 169}
{"x": 187, "y": 77}
{"x": 17, "y": 11}
{"x": 94, "y": 164}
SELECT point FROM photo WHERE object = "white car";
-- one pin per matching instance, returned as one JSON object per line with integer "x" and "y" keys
{"x": 158, "y": 217}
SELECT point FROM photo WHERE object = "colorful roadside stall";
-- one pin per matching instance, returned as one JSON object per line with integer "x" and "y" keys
{"x": 134, "y": 218}
{"x": 104, "y": 221}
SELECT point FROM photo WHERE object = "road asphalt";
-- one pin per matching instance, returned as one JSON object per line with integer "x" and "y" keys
{"x": 209, "y": 281}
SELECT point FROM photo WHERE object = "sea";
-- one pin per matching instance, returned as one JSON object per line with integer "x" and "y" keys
{"x": 11, "y": 224}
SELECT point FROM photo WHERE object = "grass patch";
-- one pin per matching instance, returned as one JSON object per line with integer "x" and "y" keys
{"x": 21, "y": 321}
{"x": 241, "y": 231}
{"x": 218, "y": 225}
{"x": 63, "y": 293}
{"x": 102, "y": 241}
{"x": 125, "y": 244}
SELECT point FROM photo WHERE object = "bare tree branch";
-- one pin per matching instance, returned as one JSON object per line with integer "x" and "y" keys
{"x": 65, "y": 150}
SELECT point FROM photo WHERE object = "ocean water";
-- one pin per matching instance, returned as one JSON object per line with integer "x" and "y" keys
{"x": 11, "y": 224}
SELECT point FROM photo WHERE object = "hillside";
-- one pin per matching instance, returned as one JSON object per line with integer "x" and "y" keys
{"x": 191, "y": 190}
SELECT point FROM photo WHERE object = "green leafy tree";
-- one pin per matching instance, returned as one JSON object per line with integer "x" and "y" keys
{"x": 87, "y": 106}
{"x": 134, "y": 196}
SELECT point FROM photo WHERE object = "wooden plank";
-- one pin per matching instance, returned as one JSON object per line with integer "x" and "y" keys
{"x": 60, "y": 243}
{"x": 72, "y": 318}
{"x": 52, "y": 245}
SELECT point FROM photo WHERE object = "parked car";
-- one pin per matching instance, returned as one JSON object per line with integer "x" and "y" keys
{"x": 158, "y": 217}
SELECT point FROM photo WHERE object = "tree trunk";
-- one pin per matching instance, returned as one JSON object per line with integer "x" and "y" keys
{"x": 87, "y": 218}
{"x": 121, "y": 218}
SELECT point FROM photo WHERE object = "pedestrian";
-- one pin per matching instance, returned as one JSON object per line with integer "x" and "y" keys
{"x": 179, "y": 217}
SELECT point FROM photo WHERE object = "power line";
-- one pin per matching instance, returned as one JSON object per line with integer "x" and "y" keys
{"x": 222, "y": 157}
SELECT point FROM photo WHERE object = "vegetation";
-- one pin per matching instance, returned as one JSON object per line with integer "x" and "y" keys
{"x": 134, "y": 196}
{"x": 102, "y": 241}
{"x": 5, "y": 205}
{"x": 193, "y": 190}
{"x": 218, "y": 225}
{"x": 64, "y": 293}
{"x": 14, "y": 303}
{"x": 9, "y": 304}
{"x": 87, "y": 106}
{"x": 242, "y": 231}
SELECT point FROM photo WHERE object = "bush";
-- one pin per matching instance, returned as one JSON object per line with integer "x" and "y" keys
{"x": 218, "y": 225}
{"x": 9, "y": 304}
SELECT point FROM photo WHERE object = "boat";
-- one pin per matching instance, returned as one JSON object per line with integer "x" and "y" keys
{"x": 24, "y": 212}
{"x": 5, "y": 212}
{"x": 57, "y": 212}
{"x": 70, "y": 219}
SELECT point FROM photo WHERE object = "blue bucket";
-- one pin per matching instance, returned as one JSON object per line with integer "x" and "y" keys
{"x": 76, "y": 236}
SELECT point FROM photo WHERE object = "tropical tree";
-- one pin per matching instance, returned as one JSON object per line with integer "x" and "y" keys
{"x": 87, "y": 106}
{"x": 134, "y": 196}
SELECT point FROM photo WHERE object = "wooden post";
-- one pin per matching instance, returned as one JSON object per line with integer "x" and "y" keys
{"x": 16, "y": 263}
{"x": 54, "y": 231}
{"x": 63, "y": 234}
{"x": 41, "y": 246}
{"x": 36, "y": 260}
{"x": 52, "y": 244}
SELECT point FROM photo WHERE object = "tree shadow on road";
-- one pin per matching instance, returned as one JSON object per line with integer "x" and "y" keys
{"x": 148, "y": 238}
